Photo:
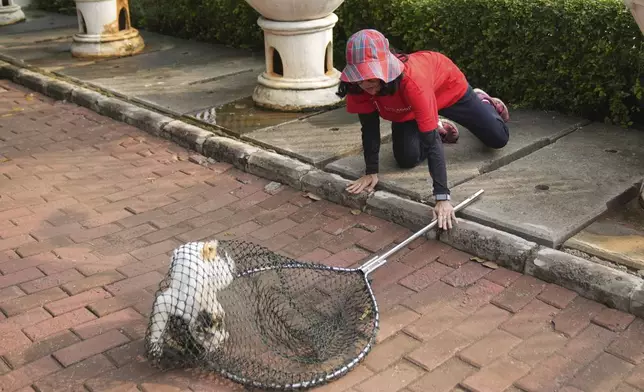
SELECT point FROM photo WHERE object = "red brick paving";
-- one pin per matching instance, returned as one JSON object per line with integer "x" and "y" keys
{"x": 91, "y": 208}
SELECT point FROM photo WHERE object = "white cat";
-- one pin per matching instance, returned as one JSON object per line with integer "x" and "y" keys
{"x": 197, "y": 273}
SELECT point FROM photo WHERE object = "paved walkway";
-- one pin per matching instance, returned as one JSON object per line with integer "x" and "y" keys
{"x": 562, "y": 172}
{"x": 90, "y": 209}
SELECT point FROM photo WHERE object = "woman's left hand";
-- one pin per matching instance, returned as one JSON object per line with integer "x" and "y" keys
{"x": 445, "y": 214}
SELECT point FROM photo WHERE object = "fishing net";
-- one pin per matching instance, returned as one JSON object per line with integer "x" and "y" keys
{"x": 259, "y": 318}
{"x": 262, "y": 319}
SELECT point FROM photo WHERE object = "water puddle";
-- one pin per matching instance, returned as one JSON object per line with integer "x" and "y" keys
{"x": 243, "y": 116}
{"x": 618, "y": 236}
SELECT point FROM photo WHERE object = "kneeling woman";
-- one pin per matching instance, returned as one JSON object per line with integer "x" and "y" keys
{"x": 411, "y": 91}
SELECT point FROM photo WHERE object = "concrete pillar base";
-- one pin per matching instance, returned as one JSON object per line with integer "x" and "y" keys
{"x": 126, "y": 43}
{"x": 287, "y": 100}
{"x": 11, "y": 14}
{"x": 105, "y": 30}
{"x": 299, "y": 72}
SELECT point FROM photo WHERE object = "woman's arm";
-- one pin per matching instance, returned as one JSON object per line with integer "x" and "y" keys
{"x": 370, "y": 128}
{"x": 423, "y": 103}
{"x": 436, "y": 162}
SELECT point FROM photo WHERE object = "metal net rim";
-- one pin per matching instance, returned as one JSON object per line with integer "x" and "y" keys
{"x": 340, "y": 370}
{"x": 337, "y": 371}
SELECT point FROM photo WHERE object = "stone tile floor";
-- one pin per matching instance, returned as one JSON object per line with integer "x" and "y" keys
{"x": 90, "y": 209}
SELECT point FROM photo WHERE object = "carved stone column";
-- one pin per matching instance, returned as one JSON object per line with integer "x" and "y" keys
{"x": 298, "y": 41}
{"x": 105, "y": 30}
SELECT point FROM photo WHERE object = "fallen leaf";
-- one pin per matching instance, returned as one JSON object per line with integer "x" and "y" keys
{"x": 313, "y": 197}
{"x": 356, "y": 212}
{"x": 29, "y": 97}
{"x": 4, "y": 159}
{"x": 243, "y": 180}
{"x": 477, "y": 259}
{"x": 7, "y": 115}
{"x": 367, "y": 312}
{"x": 491, "y": 265}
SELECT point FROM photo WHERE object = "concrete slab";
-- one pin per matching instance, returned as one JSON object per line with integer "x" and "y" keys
{"x": 318, "y": 139}
{"x": 618, "y": 236}
{"x": 186, "y": 98}
{"x": 50, "y": 55}
{"x": 37, "y": 20}
{"x": 168, "y": 53}
{"x": 529, "y": 131}
{"x": 551, "y": 194}
{"x": 26, "y": 38}
{"x": 173, "y": 75}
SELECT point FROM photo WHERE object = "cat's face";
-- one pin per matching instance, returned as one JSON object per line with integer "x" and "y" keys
{"x": 209, "y": 251}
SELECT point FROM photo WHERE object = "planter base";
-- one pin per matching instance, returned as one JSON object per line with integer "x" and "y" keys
{"x": 299, "y": 72}
{"x": 126, "y": 43}
{"x": 286, "y": 100}
{"x": 11, "y": 14}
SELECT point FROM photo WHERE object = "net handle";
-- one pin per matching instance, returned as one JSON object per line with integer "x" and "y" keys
{"x": 379, "y": 261}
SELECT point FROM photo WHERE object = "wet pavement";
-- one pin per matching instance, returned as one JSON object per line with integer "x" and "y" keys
{"x": 557, "y": 175}
{"x": 91, "y": 209}
{"x": 618, "y": 237}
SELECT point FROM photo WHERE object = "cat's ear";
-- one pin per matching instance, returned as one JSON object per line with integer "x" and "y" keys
{"x": 209, "y": 250}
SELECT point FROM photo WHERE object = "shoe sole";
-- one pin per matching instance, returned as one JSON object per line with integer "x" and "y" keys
{"x": 496, "y": 102}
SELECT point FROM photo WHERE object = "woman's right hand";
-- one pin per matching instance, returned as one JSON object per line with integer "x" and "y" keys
{"x": 367, "y": 182}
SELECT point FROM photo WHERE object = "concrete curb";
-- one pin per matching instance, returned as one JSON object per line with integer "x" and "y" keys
{"x": 508, "y": 250}
{"x": 603, "y": 284}
{"x": 275, "y": 167}
{"x": 332, "y": 187}
{"x": 613, "y": 288}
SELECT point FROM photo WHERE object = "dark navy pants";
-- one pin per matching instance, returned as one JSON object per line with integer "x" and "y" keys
{"x": 478, "y": 117}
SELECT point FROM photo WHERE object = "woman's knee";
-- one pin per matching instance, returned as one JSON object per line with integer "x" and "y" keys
{"x": 499, "y": 141}
{"x": 407, "y": 160}
{"x": 496, "y": 136}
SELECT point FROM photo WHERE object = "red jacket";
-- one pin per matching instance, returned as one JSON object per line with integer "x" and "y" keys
{"x": 431, "y": 82}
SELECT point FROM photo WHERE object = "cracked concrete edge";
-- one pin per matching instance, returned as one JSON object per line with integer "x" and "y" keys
{"x": 276, "y": 167}
{"x": 507, "y": 250}
{"x": 613, "y": 288}
{"x": 616, "y": 289}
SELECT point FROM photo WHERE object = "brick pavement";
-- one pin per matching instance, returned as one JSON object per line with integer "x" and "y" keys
{"x": 90, "y": 209}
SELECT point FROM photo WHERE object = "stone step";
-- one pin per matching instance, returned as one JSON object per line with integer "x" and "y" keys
{"x": 318, "y": 139}
{"x": 37, "y": 20}
{"x": 529, "y": 131}
{"x": 551, "y": 194}
{"x": 176, "y": 76}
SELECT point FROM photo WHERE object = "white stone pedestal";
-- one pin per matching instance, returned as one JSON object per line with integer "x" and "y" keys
{"x": 299, "y": 65}
{"x": 105, "y": 30}
{"x": 637, "y": 9}
{"x": 10, "y": 13}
